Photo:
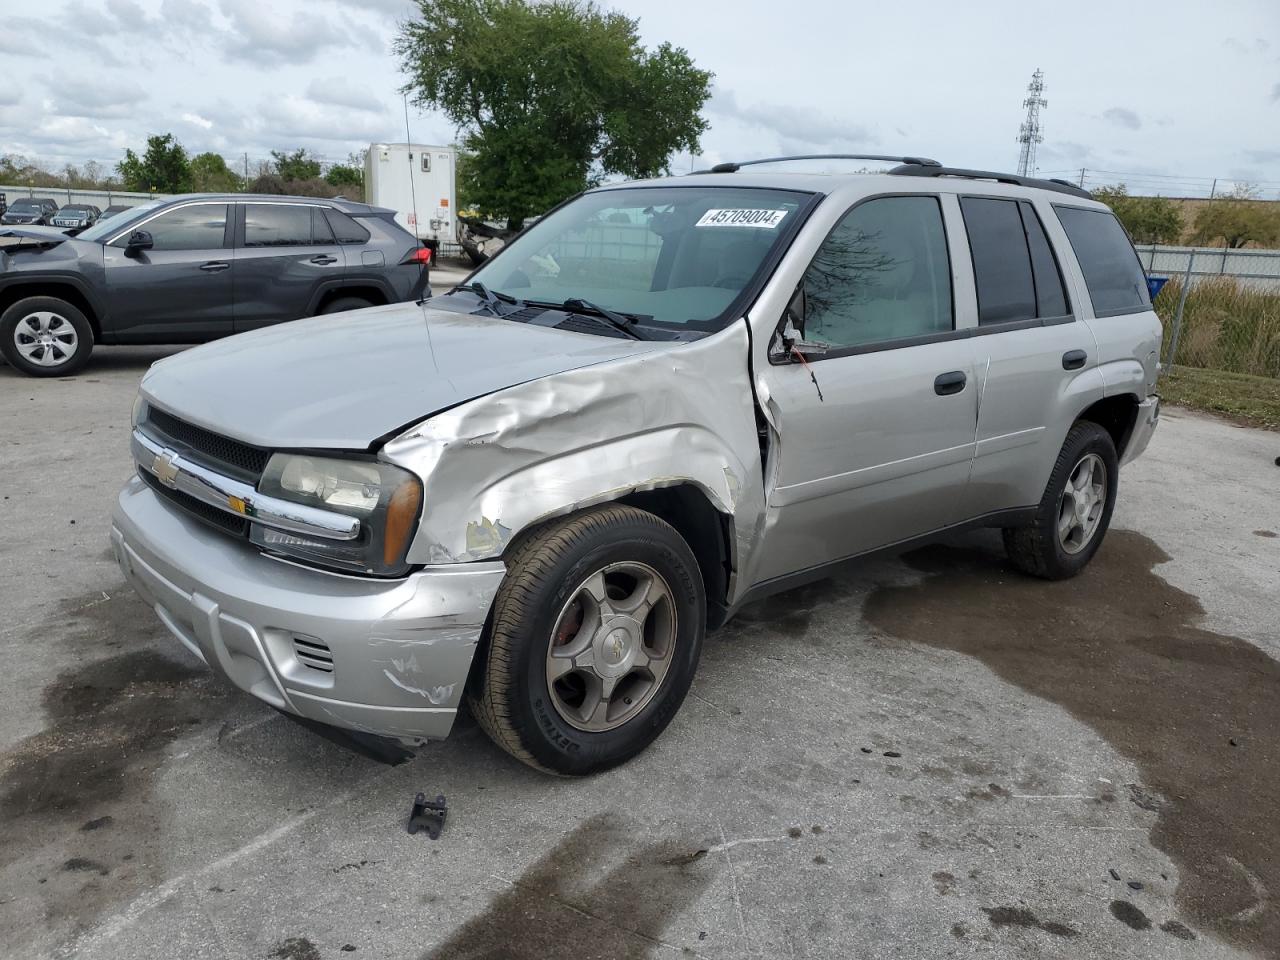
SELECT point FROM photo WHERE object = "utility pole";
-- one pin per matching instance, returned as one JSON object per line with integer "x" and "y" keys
{"x": 1082, "y": 178}
{"x": 1029, "y": 133}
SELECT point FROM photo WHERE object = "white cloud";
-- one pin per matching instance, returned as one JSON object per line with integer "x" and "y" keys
{"x": 198, "y": 121}
{"x": 1122, "y": 117}
{"x": 341, "y": 93}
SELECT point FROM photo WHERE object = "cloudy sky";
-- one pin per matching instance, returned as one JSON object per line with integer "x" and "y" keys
{"x": 1164, "y": 95}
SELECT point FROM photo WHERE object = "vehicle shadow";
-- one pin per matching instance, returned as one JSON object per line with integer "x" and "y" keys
{"x": 107, "y": 360}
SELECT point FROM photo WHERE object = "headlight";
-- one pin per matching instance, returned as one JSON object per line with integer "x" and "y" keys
{"x": 138, "y": 406}
{"x": 386, "y": 500}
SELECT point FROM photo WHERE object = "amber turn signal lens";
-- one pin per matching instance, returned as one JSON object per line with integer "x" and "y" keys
{"x": 402, "y": 512}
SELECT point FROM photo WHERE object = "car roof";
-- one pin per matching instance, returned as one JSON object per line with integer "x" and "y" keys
{"x": 347, "y": 206}
{"x": 848, "y": 184}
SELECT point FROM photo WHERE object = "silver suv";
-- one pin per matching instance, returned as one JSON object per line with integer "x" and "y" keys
{"x": 662, "y": 401}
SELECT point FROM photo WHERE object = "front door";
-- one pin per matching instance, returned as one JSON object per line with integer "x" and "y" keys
{"x": 285, "y": 256}
{"x": 180, "y": 290}
{"x": 878, "y": 450}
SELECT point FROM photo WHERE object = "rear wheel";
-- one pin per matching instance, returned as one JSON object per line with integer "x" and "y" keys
{"x": 343, "y": 304}
{"x": 45, "y": 337}
{"x": 596, "y": 635}
{"x": 1074, "y": 512}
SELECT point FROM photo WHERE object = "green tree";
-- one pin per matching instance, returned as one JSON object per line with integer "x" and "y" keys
{"x": 549, "y": 97}
{"x": 162, "y": 168}
{"x": 298, "y": 165}
{"x": 1237, "y": 219}
{"x": 344, "y": 175}
{"x": 1148, "y": 219}
{"x": 210, "y": 174}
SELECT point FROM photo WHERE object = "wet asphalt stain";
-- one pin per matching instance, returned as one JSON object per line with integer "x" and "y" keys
{"x": 1131, "y": 916}
{"x": 1022, "y": 917}
{"x": 1120, "y": 649}
{"x": 82, "y": 829}
{"x": 295, "y": 948}
{"x": 555, "y": 909}
{"x": 1269, "y": 534}
{"x": 1176, "y": 929}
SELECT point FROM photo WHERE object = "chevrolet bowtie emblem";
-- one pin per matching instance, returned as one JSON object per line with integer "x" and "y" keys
{"x": 165, "y": 469}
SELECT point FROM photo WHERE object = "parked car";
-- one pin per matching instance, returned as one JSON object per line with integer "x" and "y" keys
{"x": 36, "y": 211}
{"x": 113, "y": 210}
{"x": 77, "y": 216}
{"x": 660, "y": 402}
{"x": 194, "y": 268}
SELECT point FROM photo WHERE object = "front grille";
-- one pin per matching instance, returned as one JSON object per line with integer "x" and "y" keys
{"x": 226, "y": 522}
{"x": 313, "y": 653}
{"x": 220, "y": 453}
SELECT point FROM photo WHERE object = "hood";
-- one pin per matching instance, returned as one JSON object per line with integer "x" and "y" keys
{"x": 344, "y": 380}
{"x": 12, "y": 240}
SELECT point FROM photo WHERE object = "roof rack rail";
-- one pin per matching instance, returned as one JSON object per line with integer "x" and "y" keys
{"x": 931, "y": 170}
{"x": 732, "y": 167}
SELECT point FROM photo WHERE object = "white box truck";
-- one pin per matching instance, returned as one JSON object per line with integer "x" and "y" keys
{"x": 418, "y": 181}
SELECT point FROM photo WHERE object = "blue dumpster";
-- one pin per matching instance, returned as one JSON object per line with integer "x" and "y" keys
{"x": 1155, "y": 285}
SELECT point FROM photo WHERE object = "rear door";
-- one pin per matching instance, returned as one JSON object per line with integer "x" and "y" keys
{"x": 1036, "y": 360}
{"x": 877, "y": 434}
{"x": 179, "y": 291}
{"x": 285, "y": 257}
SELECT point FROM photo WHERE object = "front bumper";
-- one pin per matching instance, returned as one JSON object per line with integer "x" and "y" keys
{"x": 1144, "y": 426}
{"x": 397, "y": 651}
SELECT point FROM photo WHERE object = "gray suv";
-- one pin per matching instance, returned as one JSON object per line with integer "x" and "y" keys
{"x": 195, "y": 268}
{"x": 665, "y": 399}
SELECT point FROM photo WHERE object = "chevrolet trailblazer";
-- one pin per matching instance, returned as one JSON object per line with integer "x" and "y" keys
{"x": 536, "y": 492}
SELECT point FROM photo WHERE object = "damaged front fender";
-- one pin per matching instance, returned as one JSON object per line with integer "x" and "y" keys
{"x": 494, "y": 466}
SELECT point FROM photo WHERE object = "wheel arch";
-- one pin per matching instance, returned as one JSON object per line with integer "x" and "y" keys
{"x": 62, "y": 290}
{"x": 1117, "y": 414}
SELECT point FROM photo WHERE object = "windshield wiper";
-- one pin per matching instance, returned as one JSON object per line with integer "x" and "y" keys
{"x": 490, "y": 298}
{"x": 621, "y": 322}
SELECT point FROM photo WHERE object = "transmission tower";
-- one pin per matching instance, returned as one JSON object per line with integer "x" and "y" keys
{"x": 1029, "y": 133}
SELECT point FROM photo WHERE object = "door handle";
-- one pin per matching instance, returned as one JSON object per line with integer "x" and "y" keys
{"x": 945, "y": 384}
{"x": 323, "y": 259}
{"x": 1074, "y": 359}
{"x": 213, "y": 266}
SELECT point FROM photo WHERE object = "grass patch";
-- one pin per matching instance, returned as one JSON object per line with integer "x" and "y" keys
{"x": 1225, "y": 326}
{"x": 1248, "y": 400}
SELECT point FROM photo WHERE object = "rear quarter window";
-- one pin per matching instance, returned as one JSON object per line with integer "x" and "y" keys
{"x": 1112, "y": 271}
{"x": 344, "y": 228}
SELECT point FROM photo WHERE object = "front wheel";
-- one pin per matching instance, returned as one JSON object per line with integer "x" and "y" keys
{"x": 595, "y": 639}
{"x": 1074, "y": 512}
{"x": 45, "y": 337}
{"x": 343, "y": 304}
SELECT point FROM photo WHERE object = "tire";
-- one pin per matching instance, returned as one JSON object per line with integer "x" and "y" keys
{"x": 67, "y": 336}
{"x": 343, "y": 304}
{"x": 540, "y": 616}
{"x": 475, "y": 256}
{"x": 1040, "y": 549}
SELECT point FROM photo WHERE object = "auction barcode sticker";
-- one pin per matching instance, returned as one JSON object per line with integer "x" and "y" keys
{"x": 766, "y": 219}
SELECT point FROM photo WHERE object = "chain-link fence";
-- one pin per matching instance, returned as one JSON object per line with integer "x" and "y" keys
{"x": 1220, "y": 307}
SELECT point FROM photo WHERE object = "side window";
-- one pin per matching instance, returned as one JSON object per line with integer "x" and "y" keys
{"x": 882, "y": 274}
{"x": 1111, "y": 268}
{"x": 1001, "y": 263}
{"x": 200, "y": 226}
{"x": 344, "y": 228}
{"x": 279, "y": 225}
{"x": 1051, "y": 296}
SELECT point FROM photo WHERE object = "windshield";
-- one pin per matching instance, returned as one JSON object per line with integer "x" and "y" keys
{"x": 109, "y": 227}
{"x": 24, "y": 206}
{"x": 670, "y": 255}
{"x": 73, "y": 212}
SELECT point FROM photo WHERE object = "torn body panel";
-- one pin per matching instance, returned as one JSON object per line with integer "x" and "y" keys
{"x": 499, "y": 464}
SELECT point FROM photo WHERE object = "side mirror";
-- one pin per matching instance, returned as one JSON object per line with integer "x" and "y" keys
{"x": 790, "y": 336}
{"x": 138, "y": 241}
